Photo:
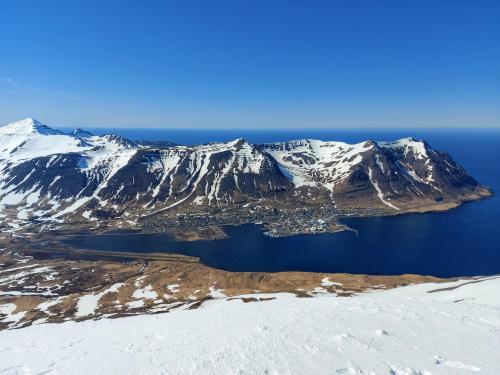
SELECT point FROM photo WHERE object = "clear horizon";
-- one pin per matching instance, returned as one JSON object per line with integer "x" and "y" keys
{"x": 64, "y": 127}
{"x": 269, "y": 129}
{"x": 259, "y": 65}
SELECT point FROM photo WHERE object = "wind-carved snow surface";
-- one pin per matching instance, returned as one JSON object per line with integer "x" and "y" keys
{"x": 448, "y": 328}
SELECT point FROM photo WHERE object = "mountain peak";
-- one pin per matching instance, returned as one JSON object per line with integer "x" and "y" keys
{"x": 81, "y": 133}
{"x": 239, "y": 142}
{"x": 28, "y": 126}
{"x": 119, "y": 140}
{"x": 31, "y": 121}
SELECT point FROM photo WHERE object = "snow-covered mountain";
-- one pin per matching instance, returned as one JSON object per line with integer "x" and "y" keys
{"x": 47, "y": 174}
{"x": 397, "y": 174}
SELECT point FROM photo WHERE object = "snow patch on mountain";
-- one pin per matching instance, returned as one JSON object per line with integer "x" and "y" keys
{"x": 312, "y": 162}
{"x": 379, "y": 191}
{"x": 408, "y": 145}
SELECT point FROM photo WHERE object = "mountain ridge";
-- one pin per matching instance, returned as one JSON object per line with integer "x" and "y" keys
{"x": 48, "y": 175}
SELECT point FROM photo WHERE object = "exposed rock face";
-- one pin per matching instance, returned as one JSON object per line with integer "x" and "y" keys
{"x": 48, "y": 175}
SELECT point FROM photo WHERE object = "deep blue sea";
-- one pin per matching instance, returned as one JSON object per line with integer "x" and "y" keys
{"x": 461, "y": 242}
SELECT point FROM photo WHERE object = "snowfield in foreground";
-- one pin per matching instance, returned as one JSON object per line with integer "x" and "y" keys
{"x": 454, "y": 330}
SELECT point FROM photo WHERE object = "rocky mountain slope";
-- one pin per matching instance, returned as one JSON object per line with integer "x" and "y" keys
{"x": 48, "y": 176}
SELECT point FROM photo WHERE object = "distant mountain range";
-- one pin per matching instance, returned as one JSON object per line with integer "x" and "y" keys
{"x": 48, "y": 175}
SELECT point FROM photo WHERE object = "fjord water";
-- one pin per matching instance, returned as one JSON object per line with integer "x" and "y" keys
{"x": 461, "y": 242}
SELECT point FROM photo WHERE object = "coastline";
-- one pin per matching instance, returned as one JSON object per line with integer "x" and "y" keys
{"x": 157, "y": 282}
{"x": 41, "y": 290}
{"x": 60, "y": 289}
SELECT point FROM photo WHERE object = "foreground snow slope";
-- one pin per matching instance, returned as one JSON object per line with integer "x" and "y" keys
{"x": 401, "y": 331}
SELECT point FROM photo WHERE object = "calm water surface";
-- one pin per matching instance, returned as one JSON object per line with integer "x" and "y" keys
{"x": 464, "y": 241}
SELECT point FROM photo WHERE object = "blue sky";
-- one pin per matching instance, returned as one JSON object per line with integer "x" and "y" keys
{"x": 251, "y": 64}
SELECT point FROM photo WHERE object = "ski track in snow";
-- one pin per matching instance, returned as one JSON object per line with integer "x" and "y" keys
{"x": 400, "y": 331}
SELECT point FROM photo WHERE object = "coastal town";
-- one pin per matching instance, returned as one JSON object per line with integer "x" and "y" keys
{"x": 275, "y": 221}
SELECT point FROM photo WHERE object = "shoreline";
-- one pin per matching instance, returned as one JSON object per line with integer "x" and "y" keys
{"x": 216, "y": 231}
{"x": 59, "y": 289}
{"x": 209, "y": 225}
